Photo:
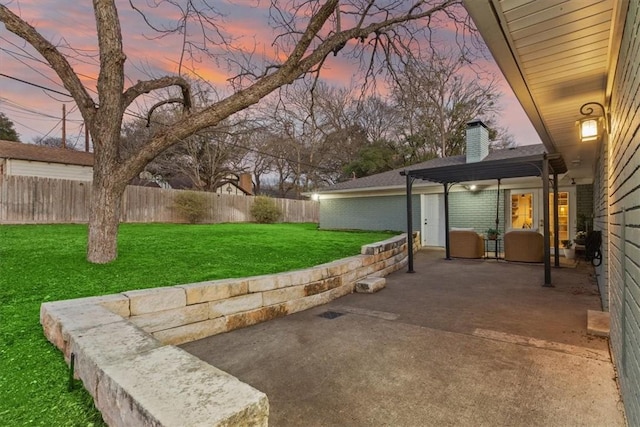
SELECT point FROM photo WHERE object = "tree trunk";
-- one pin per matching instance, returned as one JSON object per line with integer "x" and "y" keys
{"x": 104, "y": 218}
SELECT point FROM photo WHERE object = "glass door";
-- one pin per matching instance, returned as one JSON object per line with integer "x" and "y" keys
{"x": 521, "y": 210}
{"x": 563, "y": 217}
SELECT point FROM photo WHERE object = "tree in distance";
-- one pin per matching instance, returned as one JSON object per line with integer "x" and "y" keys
{"x": 7, "y": 132}
{"x": 378, "y": 35}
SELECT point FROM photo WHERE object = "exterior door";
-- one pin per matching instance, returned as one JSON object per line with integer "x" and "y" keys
{"x": 432, "y": 219}
{"x": 566, "y": 213}
{"x": 522, "y": 209}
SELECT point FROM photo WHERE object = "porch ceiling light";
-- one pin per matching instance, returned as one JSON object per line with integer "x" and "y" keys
{"x": 590, "y": 125}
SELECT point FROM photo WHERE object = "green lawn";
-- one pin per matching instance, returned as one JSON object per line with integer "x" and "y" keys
{"x": 41, "y": 263}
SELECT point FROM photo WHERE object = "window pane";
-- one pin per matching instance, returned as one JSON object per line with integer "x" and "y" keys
{"x": 522, "y": 210}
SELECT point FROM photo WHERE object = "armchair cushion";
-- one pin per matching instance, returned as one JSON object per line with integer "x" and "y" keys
{"x": 465, "y": 244}
{"x": 523, "y": 246}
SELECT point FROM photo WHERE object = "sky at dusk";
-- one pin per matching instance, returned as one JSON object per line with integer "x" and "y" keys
{"x": 36, "y": 112}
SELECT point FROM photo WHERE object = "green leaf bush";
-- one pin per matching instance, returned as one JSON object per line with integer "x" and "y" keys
{"x": 191, "y": 206}
{"x": 265, "y": 210}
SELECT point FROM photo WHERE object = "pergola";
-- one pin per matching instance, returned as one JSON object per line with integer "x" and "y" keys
{"x": 542, "y": 165}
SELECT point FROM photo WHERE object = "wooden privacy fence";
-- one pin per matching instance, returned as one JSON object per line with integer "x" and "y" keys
{"x": 33, "y": 200}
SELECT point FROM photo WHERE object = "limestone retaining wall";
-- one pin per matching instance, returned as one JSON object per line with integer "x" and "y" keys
{"x": 123, "y": 345}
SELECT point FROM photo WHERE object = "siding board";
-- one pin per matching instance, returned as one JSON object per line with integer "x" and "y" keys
{"x": 622, "y": 182}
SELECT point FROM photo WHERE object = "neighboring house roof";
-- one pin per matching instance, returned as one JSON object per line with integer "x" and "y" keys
{"x": 37, "y": 153}
{"x": 233, "y": 183}
{"x": 394, "y": 179}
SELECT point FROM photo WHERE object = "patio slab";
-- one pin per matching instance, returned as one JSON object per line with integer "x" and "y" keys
{"x": 460, "y": 342}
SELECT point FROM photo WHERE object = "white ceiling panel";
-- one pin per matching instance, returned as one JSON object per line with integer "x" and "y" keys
{"x": 555, "y": 54}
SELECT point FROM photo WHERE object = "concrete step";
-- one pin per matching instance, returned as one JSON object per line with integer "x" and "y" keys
{"x": 369, "y": 285}
{"x": 598, "y": 323}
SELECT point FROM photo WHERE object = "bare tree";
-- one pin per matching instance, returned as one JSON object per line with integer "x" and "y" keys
{"x": 306, "y": 33}
{"x": 54, "y": 142}
{"x": 438, "y": 97}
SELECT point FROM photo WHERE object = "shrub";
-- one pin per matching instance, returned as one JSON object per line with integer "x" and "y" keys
{"x": 191, "y": 205}
{"x": 265, "y": 211}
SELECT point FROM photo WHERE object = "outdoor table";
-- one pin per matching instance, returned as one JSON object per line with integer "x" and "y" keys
{"x": 487, "y": 251}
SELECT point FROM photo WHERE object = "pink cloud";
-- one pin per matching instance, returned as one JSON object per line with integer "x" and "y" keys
{"x": 246, "y": 22}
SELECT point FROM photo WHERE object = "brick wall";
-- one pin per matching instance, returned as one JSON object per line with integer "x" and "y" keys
{"x": 622, "y": 203}
{"x": 477, "y": 210}
{"x": 368, "y": 213}
{"x": 584, "y": 205}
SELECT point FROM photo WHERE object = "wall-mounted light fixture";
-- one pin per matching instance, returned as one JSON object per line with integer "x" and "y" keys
{"x": 315, "y": 197}
{"x": 472, "y": 187}
{"x": 590, "y": 126}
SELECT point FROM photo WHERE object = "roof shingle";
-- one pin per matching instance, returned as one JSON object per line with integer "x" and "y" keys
{"x": 21, "y": 151}
{"x": 394, "y": 179}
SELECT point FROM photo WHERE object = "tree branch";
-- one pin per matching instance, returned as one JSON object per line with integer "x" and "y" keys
{"x": 147, "y": 86}
{"x": 296, "y": 65}
{"x": 55, "y": 59}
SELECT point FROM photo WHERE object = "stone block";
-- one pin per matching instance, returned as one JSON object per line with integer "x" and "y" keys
{"x": 370, "y": 249}
{"x": 192, "y": 331}
{"x": 102, "y": 345}
{"x": 350, "y": 277}
{"x": 278, "y": 296}
{"x": 339, "y": 292}
{"x": 214, "y": 290}
{"x": 322, "y": 286}
{"x": 367, "y": 260}
{"x": 309, "y": 275}
{"x": 264, "y": 283}
{"x": 249, "y": 318}
{"x": 156, "y": 299}
{"x": 59, "y": 319}
{"x": 343, "y": 266}
{"x": 235, "y": 305}
{"x": 118, "y": 304}
{"x": 169, "y": 387}
{"x": 153, "y": 322}
{"x": 389, "y": 262}
{"x": 369, "y": 285}
{"x": 305, "y": 303}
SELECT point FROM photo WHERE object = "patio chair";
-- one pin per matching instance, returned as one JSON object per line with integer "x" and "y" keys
{"x": 465, "y": 243}
{"x": 523, "y": 246}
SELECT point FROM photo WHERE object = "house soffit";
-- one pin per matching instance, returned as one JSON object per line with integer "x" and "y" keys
{"x": 557, "y": 56}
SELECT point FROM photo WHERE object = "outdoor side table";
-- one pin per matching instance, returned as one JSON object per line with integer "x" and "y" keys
{"x": 487, "y": 250}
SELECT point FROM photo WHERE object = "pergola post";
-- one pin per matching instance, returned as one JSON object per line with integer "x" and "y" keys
{"x": 446, "y": 221}
{"x": 409, "y": 224}
{"x": 556, "y": 225}
{"x": 545, "y": 213}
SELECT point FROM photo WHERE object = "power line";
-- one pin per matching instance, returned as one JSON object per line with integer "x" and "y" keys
{"x": 141, "y": 117}
{"x": 18, "y": 108}
{"x": 35, "y": 85}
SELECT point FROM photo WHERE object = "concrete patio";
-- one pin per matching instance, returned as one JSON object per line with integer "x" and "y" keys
{"x": 460, "y": 342}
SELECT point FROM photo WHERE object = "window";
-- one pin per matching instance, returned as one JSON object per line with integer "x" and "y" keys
{"x": 522, "y": 210}
{"x": 563, "y": 216}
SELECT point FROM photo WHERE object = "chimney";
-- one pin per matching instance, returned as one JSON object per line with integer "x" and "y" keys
{"x": 477, "y": 141}
{"x": 245, "y": 183}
